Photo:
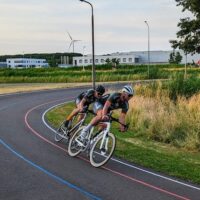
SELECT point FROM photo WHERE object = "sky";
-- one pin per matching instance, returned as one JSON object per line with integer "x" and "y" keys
{"x": 41, "y": 26}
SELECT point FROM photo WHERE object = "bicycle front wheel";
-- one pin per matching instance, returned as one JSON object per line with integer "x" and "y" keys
{"x": 102, "y": 150}
{"x": 74, "y": 147}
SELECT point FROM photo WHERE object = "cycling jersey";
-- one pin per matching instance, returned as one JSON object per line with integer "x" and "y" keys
{"x": 103, "y": 99}
{"x": 88, "y": 96}
{"x": 98, "y": 105}
{"x": 116, "y": 103}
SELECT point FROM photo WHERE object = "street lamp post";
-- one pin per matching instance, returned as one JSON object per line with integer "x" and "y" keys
{"x": 185, "y": 75}
{"x": 83, "y": 57}
{"x": 93, "y": 59}
{"x": 148, "y": 46}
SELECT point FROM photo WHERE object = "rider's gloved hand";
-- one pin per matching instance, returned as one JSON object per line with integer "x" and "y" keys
{"x": 123, "y": 129}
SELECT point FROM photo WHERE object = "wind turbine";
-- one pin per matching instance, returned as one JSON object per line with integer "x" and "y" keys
{"x": 72, "y": 42}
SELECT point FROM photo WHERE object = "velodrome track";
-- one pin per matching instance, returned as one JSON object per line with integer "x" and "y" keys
{"x": 34, "y": 167}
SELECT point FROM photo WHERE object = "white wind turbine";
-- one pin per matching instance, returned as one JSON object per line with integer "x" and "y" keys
{"x": 72, "y": 42}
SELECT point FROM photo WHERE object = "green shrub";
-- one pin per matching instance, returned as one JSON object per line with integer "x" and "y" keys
{"x": 183, "y": 87}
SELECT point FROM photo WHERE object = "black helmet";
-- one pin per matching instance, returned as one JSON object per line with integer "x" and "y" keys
{"x": 100, "y": 89}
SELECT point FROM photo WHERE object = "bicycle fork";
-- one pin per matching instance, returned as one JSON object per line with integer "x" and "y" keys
{"x": 105, "y": 140}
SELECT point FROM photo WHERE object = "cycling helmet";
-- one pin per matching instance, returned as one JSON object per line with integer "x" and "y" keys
{"x": 128, "y": 89}
{"x": 100, "y": 89}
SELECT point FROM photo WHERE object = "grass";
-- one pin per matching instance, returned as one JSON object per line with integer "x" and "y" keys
{"x": 162, "y": 120}
{"x": 138, "y": 148}
{"x": 103, "y": 73}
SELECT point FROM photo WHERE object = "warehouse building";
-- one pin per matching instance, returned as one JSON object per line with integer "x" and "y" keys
{"x": 135, "y": 57}
{"x": 26, "y": 63}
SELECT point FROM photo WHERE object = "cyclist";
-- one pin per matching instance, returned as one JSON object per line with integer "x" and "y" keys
{"x": 109, "y": 102}
{"x": 117, "y": 101}
{"x": 97, "y": 109}
{"x": 83, "y": 101}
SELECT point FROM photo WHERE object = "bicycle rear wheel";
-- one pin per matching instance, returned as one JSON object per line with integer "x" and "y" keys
{"x": 61, "y": 133}
{"x": 74, "y": 147}
{"x": 102, "y": 150}
{"x": 64, "y": 133}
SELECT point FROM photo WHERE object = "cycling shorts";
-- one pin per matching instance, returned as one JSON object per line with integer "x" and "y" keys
{"x": 97, "y": 106}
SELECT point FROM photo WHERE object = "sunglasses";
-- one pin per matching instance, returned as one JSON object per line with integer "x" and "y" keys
{"x": 99, "y": 94}
{"x": 130, "y": 95}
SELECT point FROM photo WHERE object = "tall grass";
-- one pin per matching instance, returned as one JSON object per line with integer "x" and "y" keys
{"x": 155, "y": 116}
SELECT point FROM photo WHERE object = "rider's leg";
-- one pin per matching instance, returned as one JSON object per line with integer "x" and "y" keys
{"x": 70, "y": 116}
{"x": 101, "y": 126}
{"x": 73, "y": 113}
{"x": 92, "y": 123}
{"x": 80, "y": 117}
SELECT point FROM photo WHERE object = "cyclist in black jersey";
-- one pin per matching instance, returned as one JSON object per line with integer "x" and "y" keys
{"x": 107, "y": 103}
{"x": 84, "y": 100}
{"x": 97, "y": 109}
{"x": 118, "y": 101}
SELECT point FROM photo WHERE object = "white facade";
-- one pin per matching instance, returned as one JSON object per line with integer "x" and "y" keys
{"x": 26, "y": 63}
{"x": 135, "y": 57}
{"x": 99, "y": 60}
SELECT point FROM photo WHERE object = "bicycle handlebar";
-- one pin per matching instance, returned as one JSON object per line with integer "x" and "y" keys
{"x": 87, "y": 111}
{"x": 117, "y": 120}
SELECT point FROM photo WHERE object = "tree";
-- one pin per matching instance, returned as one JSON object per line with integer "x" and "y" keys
{"x": 171, "y": 58}
{"x": 114, "y": 62}
{"x": 178, "y": 58}
{"x": 108, "y": 61}
{"x": 188, "y": 37}
{"x": 175, "y": 58}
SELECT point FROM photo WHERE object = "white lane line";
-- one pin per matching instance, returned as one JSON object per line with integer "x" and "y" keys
{"x": 43, "y": 116}
{"x": 118, "y": 161}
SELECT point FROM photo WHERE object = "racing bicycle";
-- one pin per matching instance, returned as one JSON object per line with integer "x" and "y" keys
{"x": 99, "y": 146}
{"x": 65, "y": 132}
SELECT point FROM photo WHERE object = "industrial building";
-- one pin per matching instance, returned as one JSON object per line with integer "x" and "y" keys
{"x": 26, "y": 63}
{"x": 135, "y": 57}
{"x": 3, "y": 64}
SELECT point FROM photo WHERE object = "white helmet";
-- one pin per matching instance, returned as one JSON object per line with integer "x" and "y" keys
{"x": 128, "y": 89}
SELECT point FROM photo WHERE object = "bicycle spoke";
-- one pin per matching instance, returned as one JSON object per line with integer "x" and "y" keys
{"x": 75, "y": 146}
{"x": 61, "y": 134}
{"x": 102, "y": 150}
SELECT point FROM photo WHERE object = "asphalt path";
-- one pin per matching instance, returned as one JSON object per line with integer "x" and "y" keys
{"x": 33, "y": 166}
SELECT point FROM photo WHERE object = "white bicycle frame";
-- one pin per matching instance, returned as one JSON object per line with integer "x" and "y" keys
{"x": 104, "y": 133}
{"x": 79, "y": 124}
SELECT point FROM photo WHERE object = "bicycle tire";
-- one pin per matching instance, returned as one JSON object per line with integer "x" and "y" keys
{"x": 97, "y": 159}
{"x": 74, "y": 148}
{"x": 60, "y": 134}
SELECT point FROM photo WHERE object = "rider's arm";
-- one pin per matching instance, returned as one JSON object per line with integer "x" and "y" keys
{"x": 111, "y": 98}
{"x": 122, "y": 117}
{"x": 81, "y": 105}
{"x": 105, "y": 109}
{"x": 122, "y": 120}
